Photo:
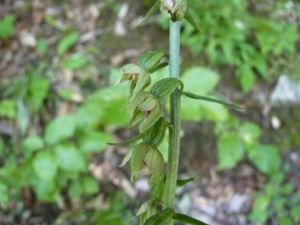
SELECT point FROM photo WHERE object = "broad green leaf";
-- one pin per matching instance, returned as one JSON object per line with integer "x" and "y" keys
{"x": 75, "y": 62}
{"x": 163, "y": 217}
{"x": 201, "y": 79}
{"x": 231, "y": 150}
{"x": 7, "y": 109}
{"x": 75, "y": 189}
{"x": 285, "y": 220}
{"x": 7, "y": 27}
{"x": 89, "y": 186}
{"x": 215, "y": 112}
{"x": 250, "y": 132}
{"x": 42, "y": 46}
{"x": 265, "y": 157}
{"x": 88, "y": 115}
{"x": 94, "y": 142}
{"x": 37, "y": 91}
{"x": 69, "y": 158}
{"x": 3, "y": 195}
{"x": 295, "y": 212}
{"x": 45, "y": 165}
{"x": 187, "y": 219}
{"x": 110, "y": 101}
{"x": 247, "y": 77}
{"x": 258, "y": 213}
{"x": 190, "y": 109}
{"x": 32, "y": 144}
{"x": 67, "y": 42}
{"x": 59, "y": 129}
{"x": 46, "y": 190}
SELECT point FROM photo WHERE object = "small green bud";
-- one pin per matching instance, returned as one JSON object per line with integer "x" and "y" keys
{"x": 164, "y": 88}
{"x": 139, "y": 76}
{"x": 148, "y": 209}
{"x": 163, "y": 217}
{"x": 145, "y": 156}
{"x": 158, "y": 188}
{"x": 154, "y": 161}
{"x": 155, "y": 135}
{"x": 151, "y": 59}
{"x": 173, "y": 9}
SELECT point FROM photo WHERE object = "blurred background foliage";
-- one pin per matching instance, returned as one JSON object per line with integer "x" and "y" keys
{"x": 59, "y": 108}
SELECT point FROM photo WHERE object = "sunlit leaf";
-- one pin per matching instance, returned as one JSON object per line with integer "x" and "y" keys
{"x": 45, "y": 165}
{"x": 231, "y": 150}
{"x": 69, "y": 158}
{"x": 67, "y": 42}
{"x": 187, "y": 219}
{"x": 59, "y": 129}
{"x": 94, "y": 142}
{"x": 265, "y": 157}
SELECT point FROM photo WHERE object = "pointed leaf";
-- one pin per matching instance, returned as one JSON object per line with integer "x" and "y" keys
{"x": 151, "y": 11}
{"x": 45, "y": 166}
{"x": 126, "y": 142}
{"x": 67, "y": 42}
{"x": 188, "y": 16}
{"x": 193, "y": 96}
{"x": 126, "y": 158}
{"x": 187, "y": 219}
{"x": 183, "y": 182}
{"x": 163, "y": 217}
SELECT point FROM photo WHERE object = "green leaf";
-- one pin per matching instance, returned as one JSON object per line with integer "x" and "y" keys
{"x": 37, "y": 91}
{"x": 90, "y": 186}
{"x": 59, "y": 129}
{"x": 250, "y": 132}
{"x": 75, "y": 189}
{"x": 295, "y": 212}
{"x": 231, "y": 150}
{"x": 46, "y": 190}
{"x": 22, "y": 117}
{"x": 187, "y": 219}
{"x": 198, "y": 97}
{"x": 7, "y": 109}
{"x": 7, "y": 27}
{"x": 190, "y": 109}
{"x": 151, "y": 59}
{"x": 163, "y": 217}
{"x": 42, "y": 46}
{"x": 45, "y": 166}
{"x": 75, "y": 62}
{"x": 200, "y": 79}
{"x": 285, "y": 220}
{"x": 247, "y": 77}
{"x": 265, "y": 157}
{"x": 69, "y": 158}
{"x": 184, "y": 182}
{"x": 94, "y": 142}
{"x": 215, "y": 112}
{"x": 258, "y": 213}
{"x": 188, "y": 16}
{"x": 151, "y": 11}
{"x": 4, "y": 200}
{"x": 32, "y": 144}
{"x": 128, "y": 141}
{"x": 67, "y": 42}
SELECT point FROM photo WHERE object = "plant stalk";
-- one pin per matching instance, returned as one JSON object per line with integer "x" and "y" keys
{"x": 174, "y": 134}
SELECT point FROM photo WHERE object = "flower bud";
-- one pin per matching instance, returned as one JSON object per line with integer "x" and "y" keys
{"x": 173, "y": 9}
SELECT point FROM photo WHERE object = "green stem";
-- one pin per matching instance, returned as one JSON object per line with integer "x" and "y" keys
{"x": 174, "y": 135}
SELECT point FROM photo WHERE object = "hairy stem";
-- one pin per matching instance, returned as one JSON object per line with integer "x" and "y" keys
{"x": 174, "y": 135}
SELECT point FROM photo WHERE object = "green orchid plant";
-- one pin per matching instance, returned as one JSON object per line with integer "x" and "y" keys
{"x": 146, "y": 110}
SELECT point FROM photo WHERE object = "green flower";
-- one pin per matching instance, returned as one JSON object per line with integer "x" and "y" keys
{"x": 139, "y": 77}
{"x": 147, "y": 158}
{"x": 144, "y": 108}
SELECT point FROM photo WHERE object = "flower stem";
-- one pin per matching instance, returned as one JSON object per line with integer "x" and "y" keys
{"x": 174, "y": 135}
